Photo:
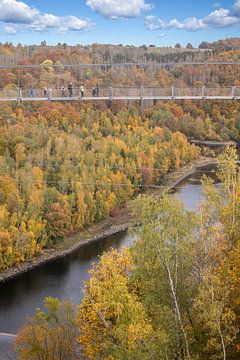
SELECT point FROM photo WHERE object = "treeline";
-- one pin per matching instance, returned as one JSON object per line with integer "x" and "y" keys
{"x": 63, "y": 167}
{"x": 173, "y": 295}
{"x": 55, "y": 77}
{"x": 95, "y": 53}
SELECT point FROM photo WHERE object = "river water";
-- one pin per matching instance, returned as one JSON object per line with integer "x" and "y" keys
{"x": 64, "y": 277}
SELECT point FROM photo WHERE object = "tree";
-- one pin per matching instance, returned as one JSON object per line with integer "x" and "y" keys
{"x": 58, "y": 220}
{"x": 112, "y": 322}
{"x": 189, "y": 46}
{"x": 50, "y": 334}
{"x": 164, "y": 258}
{"x": 219, "y": 291}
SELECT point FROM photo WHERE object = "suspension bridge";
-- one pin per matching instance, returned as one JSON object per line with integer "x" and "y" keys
{"x": 122, "y": 65}
{"x": 122, "y": 93}
{"x": 57, "y": 92}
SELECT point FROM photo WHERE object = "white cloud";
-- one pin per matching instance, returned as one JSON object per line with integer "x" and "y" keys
{"x": 14, "y": 12}
{"x": 237, "y": 5}
{"x": 218, "y": 18}
{"x": 216, "y": 5}
{"x": 72, "y": 23}
{"x": 10, "y": 29}
{"x": 119, "y": 9}
{"x": 162, "y": 35}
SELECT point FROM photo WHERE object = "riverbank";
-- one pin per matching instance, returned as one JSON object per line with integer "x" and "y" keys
{"x": 108, "y": 227}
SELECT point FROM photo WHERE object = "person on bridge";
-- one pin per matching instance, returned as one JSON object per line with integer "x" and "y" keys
{"x": 110, "y": 92}
{"x": 63, "y": 91}
{"x": 20, "y": 93}
{"x": 44, "y": 91}
{"x": 94, "y": 92}
{"x": 49, "y": 93}
{"x": 31, "y": 92}
{"x": 97, "y": 90}
{"x": 82, "y": 91}
{"x": 70, "y": 89}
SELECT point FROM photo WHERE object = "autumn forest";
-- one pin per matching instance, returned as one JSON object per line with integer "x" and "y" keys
{"x": 66, "y": 166}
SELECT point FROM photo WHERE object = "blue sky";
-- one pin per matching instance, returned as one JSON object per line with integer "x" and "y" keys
{"x": 136, "y": 22}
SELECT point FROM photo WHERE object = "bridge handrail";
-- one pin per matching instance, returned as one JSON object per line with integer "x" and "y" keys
{"x": 147, "y": 64}
{"x": 136, "y": 92}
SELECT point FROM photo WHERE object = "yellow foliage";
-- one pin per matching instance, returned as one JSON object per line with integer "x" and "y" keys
{"x": 111, "y": 316}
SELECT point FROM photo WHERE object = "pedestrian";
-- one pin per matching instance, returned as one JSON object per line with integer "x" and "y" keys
{"x": 20, "y": 93}
{"x": 97, "y": 90}
{"x": 49, "y": 93}
{"x": 110, "y": 92}
{"x": 70, "y": 89}
{"x": 93, "y": 92}
{"x": 44, "y": 91}
{"x": 31, "y": 92}
{"x": 82, "y": 90}
{"x": 63, "y": 90}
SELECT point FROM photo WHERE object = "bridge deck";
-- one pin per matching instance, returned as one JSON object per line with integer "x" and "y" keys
{"x": 139, "y": 93}
{"x": 115, "y": 98}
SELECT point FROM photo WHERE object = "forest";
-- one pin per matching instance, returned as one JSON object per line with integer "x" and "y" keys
{"x": 63, "y": 167}
{"x": 54, "y": 72}
{"x": 66, "y": 166}
{"x": 173, "y": 295}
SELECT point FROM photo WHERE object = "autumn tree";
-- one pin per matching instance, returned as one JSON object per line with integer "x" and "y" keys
{"x": 50, "y": 334}
{"x": 113, "y": 323}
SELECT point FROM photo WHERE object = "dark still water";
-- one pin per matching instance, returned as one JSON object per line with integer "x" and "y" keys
{"x": 20, "y": 297}
{"x": 64, "y": 277}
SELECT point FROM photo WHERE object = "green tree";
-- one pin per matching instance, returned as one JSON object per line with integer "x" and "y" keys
{"x": 50, "y": 334}
{"x": 164, "y": 256}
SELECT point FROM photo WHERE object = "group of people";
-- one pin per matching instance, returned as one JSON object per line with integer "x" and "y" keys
{"x": 69, "y": 88}
{"x": 65, "y": 91}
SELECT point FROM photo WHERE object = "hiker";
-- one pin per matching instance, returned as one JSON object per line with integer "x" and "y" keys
{"x": 44, "y": 92}
{"x": 93, "y": 92}
{"x": 63, "y": 91}
{"x": 20, "y": 93}
{"x": 31, "y": 92}
{"x": 97, "y": 90}
{"x": 110, "y": 92}
{"x": 70, "y": 89}
{"x": 82, "y": 90}
{"x": 49, "y": 93}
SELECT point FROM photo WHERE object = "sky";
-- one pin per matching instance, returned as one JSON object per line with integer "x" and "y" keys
{"x": 132, "y": 22}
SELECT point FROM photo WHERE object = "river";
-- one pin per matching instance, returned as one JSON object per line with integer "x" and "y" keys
{"x": 65, "y": 277}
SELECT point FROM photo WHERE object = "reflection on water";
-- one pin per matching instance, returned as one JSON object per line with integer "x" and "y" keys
{"x": 64, "y": 277}
{"x": 20, "y": 297}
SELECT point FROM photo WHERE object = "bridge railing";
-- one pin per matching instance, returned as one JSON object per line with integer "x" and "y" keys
{"x": 236, "y": 91}
{"x": 127, "y": 91}
{"x": 219, "y": 91}
{"x": 153, "y": 91}
{"x": 9, "y": 94}
{"x": 139, "y": 92}
{"x": 187, "y": 91}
